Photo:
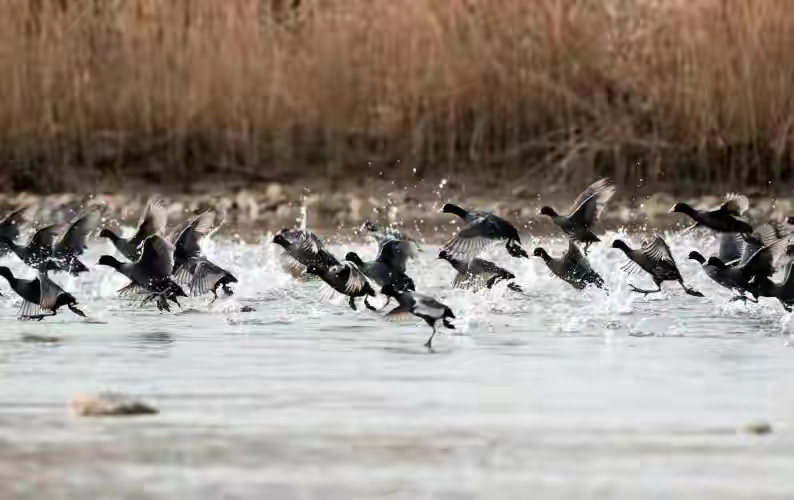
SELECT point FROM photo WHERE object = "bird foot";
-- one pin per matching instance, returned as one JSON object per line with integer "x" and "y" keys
{"x": 642, "y": 291}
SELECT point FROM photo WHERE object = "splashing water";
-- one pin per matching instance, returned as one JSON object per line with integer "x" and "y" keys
{"x": 560, "y": 391}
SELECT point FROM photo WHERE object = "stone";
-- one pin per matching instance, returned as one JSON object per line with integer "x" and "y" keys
{"x": 107, "y": 404}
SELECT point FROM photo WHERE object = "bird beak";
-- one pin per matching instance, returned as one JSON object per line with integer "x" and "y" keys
{"x": 672, "y": 209}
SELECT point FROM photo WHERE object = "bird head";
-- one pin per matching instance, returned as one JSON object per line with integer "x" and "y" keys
{"x": 6, "y": 273}
{"x": 682, "y": 208}
{"x": 540, "y": 252}
{"x": 695, "y": 255}
{"x": 279, "y": 239}
{"x": 110, "y": 261}
{"x": 354, "y": 258}
{"x": 370, "y": 226}
{"x": 621, "y": 245}
{"x": 106, "y": 233}
{"x": 444, "y": 254}
{"x": 547, "y": 210}
{"x": 716, "y": 262}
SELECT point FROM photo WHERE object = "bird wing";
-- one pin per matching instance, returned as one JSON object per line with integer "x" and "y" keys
{"x": 393, "y": 254}
{"x": 735, "y": 204}
{"x": 49, "y": 292}
{"x": 205, "y": 277}
{"x": 730, "y": 248}
{"x": 573, "y": 256}
{"x": 74, "y": 240}
{"x": 787, "y": 285}
{"x": 29, "y": 309}
{"x": 658, "y": 250}
{"x": 188, "y": 238}
{"x": 356, "y": 281}
{"x": 152, "y": 222}
{"x": 44, "y": 237}
{"x": 157, "y": 257}
{"x": 589, "y": 205}
{"x": 762, "y": 261}
{"x": 13, "y": 221}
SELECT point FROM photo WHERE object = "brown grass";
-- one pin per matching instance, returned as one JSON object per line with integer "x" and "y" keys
{"x": 666, "y": 92}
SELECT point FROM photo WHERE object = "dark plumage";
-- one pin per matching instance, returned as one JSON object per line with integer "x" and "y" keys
{"x": 38, "y": 250}
{"x": 655, "y": 259}
{"x": 41, "y": 296}
{"x": 583, "y": 213}
{"x": 151, "y": 273}
{"x": 783, "y": 291}
{"x": 303, "y": 249}
{"x": 187, "y": 237}
{"x": 153, "y": 222}
{"x": 381, "y": 235}
{"x": 347, "y": 279}
{"x": 11, "y": 224}
{"x": 725, "y": 219}
{"x": 422, "y": 306}
{"x": 482, "y": 230}
{"x": 73, "y": 242}
{"x": 388, "y": 268}
{"x": 476, "y": 272}
{"x": 572, "y": 267}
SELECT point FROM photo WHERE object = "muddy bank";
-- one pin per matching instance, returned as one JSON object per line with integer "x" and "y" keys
{"x": 250, "y": 214}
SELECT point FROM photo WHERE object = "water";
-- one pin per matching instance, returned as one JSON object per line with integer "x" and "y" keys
{"x": 551, "y": 394}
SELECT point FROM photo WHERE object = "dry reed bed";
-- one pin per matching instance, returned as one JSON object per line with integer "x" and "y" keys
{"x": 666, "y": 92}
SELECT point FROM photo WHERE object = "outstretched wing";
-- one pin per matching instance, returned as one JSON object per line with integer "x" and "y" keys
{"x": 153, "y": 222}
{"x": 187, "y": 241}
{"x": 49, "y": 292}
{"x": 44, "y": 237}
{"x": 205, "y": 277}
{"x": 356, "y": 281}
{"x": 589, "y": 205}
{"x": 74, "y": 240}
{"x": 393, "y": 254}
{"x": 658, "y": 250}
{"x": 735, "y": 204}
{"x": 157, "y": 257}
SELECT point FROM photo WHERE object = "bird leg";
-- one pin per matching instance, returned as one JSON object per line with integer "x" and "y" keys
{"x": 690, "y": 291}
{"x": 587, "y": 247}
{"x": 352, "y": 303}
{"x": 448, "y": 324}
{"x": 228, "y": 291}
{"x": 214, "y": 295}
{"x": 429, "y": 343}
{"x": 148, "y": 299}
{"x": 515, "y": 288}
{"x": 645, "y": 292}
{"x": 368, "y": 305}
{"x": 743, "y": 298}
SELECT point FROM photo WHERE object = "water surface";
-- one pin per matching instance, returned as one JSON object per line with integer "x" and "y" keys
{"x": 552, "y": 393}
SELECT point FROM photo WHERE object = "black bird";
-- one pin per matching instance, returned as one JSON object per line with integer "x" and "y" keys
{"x": 381, "y": 235}
{"x": 572, "y": 267}
{"x": 757, "y": 265}
{"x": 347, "y": 279}
{"x": 388, "y": 267}
{"x": 151, "y": 273}
{"x": 38, "y": 250}
{"x": 11, "y": 224}
{"x": 303, "y": 249}
{"x": 187, "y": 237}
{"x": 783, "y": 291}
{"x": 476, "y": 273}
{"x": 74, "y": 242}
{"x": 191, "y": 267}
{"x": 422, "y": 306}
{"x": 41, "y": 296}
{"x": 482, "y": 230}
{"x": 725, "y": 219}
{"x": 583, "y": 213}
{"x": 655, "y": 259}
{"x": 153, "y": 222}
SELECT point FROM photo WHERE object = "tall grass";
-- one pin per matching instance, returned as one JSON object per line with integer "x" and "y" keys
{"x": 678, "y": 93}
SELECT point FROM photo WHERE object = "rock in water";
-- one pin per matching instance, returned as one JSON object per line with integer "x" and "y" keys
{"x": 109, "y": 404}
{"x": 757, "y": 428}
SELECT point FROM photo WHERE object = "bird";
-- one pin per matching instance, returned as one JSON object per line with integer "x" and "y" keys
{"x": 729, "y": 253}
{"x": 41, "y": 296}
{"x": 389, "y": 266}
{"x": 725, "y": 219}
{"x": 191, "y": 267}
{"x": 39, "y": 248}
{"x": 572, "y": 267}
{"x": 422, "y": 306}
{"x": 153, "y": 221}
{"x": 347, "y": 279}
{"x": 655, "y": 259}
{"x": 303, "y": 248}
{"x": 381, "y": 235}
{"x": 11, "y": 224}
{"x": 476, "y": 272}
{"x": 72, "y": 243}
{"x": 482, "y": 230}
{"x": 584, "y": 212}
{"x": 756, "y": 265}
{"x": 150, "y": 273}
{"x": 784, "y": 290}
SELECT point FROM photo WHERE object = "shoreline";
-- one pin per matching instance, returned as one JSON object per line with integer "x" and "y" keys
{"x": 249, "y": 214}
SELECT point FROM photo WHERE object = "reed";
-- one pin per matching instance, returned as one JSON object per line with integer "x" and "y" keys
{"x": 671, "y": 93}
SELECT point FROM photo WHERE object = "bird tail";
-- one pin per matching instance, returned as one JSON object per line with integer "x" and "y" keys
{"x": 448, "y": 313}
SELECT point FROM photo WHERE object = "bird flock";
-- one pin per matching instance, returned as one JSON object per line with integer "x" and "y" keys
{"x": 162, "y": 267}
